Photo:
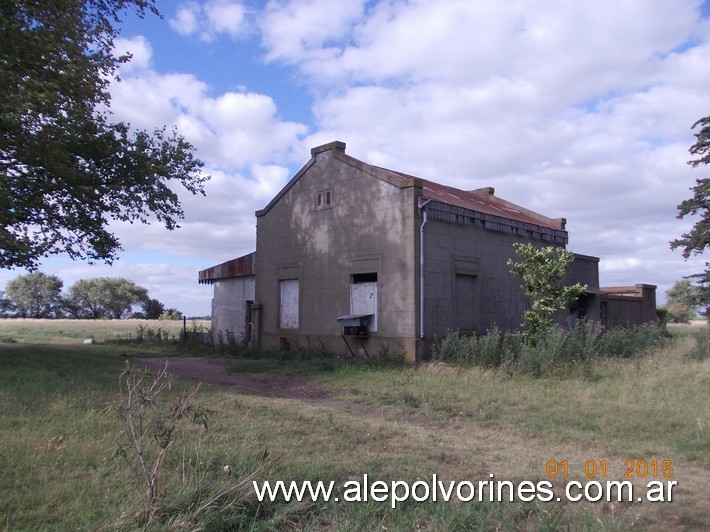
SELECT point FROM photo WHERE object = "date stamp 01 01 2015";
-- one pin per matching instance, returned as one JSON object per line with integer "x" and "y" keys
{"x": 652, "y": 471}
{"x": 598, "y": 469}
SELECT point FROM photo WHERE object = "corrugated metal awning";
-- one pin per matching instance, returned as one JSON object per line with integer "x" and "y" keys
{"x": 238, "y": 267}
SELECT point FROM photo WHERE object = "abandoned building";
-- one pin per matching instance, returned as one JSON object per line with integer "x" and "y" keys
{"x": 357, "y": 259}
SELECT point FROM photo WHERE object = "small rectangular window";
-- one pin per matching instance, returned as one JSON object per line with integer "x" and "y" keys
{"x": 324, "y": 199}
{"x": 364, "y": 278}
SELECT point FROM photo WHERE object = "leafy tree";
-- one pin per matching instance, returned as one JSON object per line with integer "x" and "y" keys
{"x": 35, "y": 295}
{"x": 105, "y": 297}
{"x": 683, "y": 298}
{"x": 171, "y": 314}
{"x": 152, "y": 309}
{"x": 541, "y": 270}
{"x": 4, "y": 303}
{"x": 695, "y": 241}
{"x": 67, "y": 169}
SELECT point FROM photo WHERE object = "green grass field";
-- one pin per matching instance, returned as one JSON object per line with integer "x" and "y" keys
{"x": 58, "y": 434}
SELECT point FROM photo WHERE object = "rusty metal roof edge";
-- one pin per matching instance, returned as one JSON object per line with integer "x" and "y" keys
{"x": 231, "y": 269}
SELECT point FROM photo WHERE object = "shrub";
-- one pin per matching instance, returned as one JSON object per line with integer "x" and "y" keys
{"x": 484, "y": 351}
{"x": 152, "y": 430}
{"x": 553, "y": 351}
{"x": 679, "y": 313}
{"x": 452, "y": 348}
{"x": 153, "y": 424}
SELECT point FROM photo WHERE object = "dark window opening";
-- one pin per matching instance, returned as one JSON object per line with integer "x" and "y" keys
{"x": 364, "y": 278}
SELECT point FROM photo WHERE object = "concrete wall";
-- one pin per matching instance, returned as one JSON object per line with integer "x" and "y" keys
{"x": 366, "y": 228}
{"x": 470, "y": 262}
{"x": 457, "y": 256}
{"x": 229, "y": 307}
{"x": 636, "y": 307}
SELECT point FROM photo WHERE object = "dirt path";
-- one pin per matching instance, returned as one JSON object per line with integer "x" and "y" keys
{"x": 266, "y": 384}
{"x": 214, "y": 371}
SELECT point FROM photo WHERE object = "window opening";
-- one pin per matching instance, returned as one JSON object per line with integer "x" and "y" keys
{"x": 364, "y": 278}
{"x": 324, "y": 199}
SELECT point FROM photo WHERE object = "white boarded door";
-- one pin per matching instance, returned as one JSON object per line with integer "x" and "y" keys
{"x": 363, "y": 296}
{"x": 288, "y": 309}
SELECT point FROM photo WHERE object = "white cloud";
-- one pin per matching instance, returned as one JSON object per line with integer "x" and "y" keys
{"x": 302, "y": 30}
{"x": 245, "y": 145}
{"x": 140, "y": 50}
{"x": 231, "y": 130}
{"x": 226, "y": 17}
{"x": 210, "y": 19}
{"x": 185, "y": 21}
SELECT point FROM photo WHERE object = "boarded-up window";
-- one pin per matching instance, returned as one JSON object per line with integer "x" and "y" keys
{"x": 363, "y": 296}
{"x": 464, "y": 295}
{"x": 288, "y": 304}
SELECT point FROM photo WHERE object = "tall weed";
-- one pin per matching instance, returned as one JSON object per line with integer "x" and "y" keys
{"x": 701, "y": 351}
{"x": 556, "y": 351}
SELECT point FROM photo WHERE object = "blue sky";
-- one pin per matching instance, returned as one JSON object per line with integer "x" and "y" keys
{"x": 574, "y": 109}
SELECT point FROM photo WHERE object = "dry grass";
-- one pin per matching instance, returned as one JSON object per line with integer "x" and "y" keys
{"x": 411, "y": 422}
{"x": 73, "y": 331}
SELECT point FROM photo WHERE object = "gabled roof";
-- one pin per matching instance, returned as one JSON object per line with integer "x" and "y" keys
{"x": 481, "y": 200}
{"x": 228, "y": 270}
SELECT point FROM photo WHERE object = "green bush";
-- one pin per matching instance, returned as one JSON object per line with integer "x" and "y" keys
{"x": 556, "y": 350}
{"x": 484, "y": 351}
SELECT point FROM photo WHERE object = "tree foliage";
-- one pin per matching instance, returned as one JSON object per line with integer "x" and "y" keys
{"x": 35, "y": 295}
{"x": 105, "y": 297}
{"x": 698, "y": 238}
{"x": 171, "y": 314}
{"x": 542, "y": 270}
{"x": 67, "y": 169}
{"x": 152, "y": 309}
{"x": 683, "y": 299}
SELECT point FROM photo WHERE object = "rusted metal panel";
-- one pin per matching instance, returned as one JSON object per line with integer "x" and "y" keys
{"x": 482, "y": 201}
{"x": 228, "y": 270}
{"x": 454, "y": 214}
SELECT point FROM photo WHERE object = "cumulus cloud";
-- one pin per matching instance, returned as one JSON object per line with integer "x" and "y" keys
{"x": 139, "y": 49}
{"x": 231, "y": 130}
{"x": 305, "y": 31}
{"x": 210, "y": 19}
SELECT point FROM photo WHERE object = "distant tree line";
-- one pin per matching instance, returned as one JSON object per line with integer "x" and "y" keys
{"x": 37, "y": 295}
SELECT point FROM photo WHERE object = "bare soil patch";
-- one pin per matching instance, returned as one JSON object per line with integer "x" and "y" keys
{"x": 265, "y": 384}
